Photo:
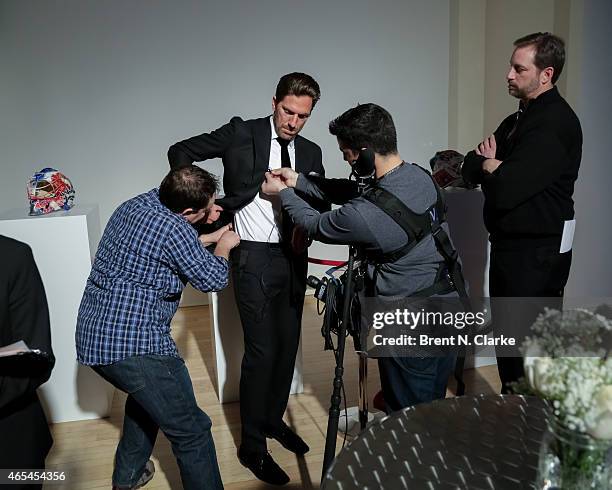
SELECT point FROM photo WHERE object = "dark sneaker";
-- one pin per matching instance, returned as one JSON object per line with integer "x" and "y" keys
{"x": 288, "y": 439}
{"x": 263, "y": 467}
{"x": 146, "y": 477}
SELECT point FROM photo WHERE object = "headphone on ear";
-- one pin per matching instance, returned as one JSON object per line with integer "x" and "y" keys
{"x": 364, "y": 165}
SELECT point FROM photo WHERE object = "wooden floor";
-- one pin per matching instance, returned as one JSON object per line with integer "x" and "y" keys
{"x": 85, "y": 449}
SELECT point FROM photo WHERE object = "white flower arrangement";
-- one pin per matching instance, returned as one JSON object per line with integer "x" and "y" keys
{"x": 565, "y": 364}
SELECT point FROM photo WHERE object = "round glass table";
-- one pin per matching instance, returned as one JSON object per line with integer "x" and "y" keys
{"x": 485, "y": 442}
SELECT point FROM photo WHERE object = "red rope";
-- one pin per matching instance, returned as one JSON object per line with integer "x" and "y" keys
{"x": 333, "y": 263}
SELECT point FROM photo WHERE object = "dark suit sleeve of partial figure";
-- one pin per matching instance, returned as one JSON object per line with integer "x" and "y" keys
{"x": 203, "y": 146}
{"x": 27, "y": 304}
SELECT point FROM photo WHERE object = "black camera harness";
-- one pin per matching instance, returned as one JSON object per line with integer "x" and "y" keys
{"x": 418, "y": 227}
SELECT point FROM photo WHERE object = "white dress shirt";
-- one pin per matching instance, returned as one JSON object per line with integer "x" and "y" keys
{"x": 259, "y": 220}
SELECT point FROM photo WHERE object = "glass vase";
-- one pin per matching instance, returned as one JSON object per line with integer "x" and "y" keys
{"x": 572, "y": 460}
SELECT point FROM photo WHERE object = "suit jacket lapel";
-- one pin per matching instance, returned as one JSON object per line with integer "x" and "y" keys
{"x": 302, "y": 158}
{"x": 262, "y": 137}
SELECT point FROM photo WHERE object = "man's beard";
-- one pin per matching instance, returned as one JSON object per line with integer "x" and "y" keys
{"x": 523, "y": 93}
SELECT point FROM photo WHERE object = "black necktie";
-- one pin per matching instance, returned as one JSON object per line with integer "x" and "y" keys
{"x": 286, "y": 222}
{"x": 285, "y": 160}
{"x": 287, "y": 231}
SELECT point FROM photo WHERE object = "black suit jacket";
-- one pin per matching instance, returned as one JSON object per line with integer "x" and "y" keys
{"x": 26, "y": 439}
{"x": 244, "y": 148}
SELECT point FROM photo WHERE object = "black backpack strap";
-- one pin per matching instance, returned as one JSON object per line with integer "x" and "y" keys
{"x": 416, "y": 226}
{"x": 441, "y": 202}
{"x": 446, "y": 249}
{"x": 419, "y": 226}
{"x": 444, "y": 245}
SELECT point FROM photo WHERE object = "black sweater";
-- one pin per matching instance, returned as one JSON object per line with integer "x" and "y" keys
{"x": 529, "y": 196}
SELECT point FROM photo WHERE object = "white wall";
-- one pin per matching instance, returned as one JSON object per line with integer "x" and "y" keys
{"x": 591, "y": 274}
{"x": 100, "y": 89}
{"x": 484, "y": 30}
{"x": 467, "y": 74}
{"x": 506, "y": 22}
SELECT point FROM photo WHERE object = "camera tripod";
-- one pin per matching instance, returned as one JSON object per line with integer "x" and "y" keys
{"x": 336, "y": 398}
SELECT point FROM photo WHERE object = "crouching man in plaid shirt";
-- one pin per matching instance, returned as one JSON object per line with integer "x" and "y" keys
{"x": 148, "y": 252}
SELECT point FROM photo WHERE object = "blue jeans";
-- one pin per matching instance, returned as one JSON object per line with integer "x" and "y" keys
{"x": 160, "y": 396}
{"x": 407, "y": 381}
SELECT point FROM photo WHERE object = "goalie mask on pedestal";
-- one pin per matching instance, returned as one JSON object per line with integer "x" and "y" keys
{"x": 50, "y": 190}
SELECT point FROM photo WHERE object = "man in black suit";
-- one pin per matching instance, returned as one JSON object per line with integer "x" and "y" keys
{"x": 269, "y": 266}
{"x": 26, "y": 439}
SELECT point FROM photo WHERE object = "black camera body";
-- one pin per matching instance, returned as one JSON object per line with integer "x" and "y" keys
{"x": 319, "y": 285}
{"x": 330, "y": 291}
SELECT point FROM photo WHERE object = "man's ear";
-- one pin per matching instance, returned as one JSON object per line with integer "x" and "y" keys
{"x": 273, "y": 103}
{"x": 188, "y": 211}
{"x": 547, "y": 74}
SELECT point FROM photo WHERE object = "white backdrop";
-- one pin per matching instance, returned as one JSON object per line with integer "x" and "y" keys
{"x": 101, "y": 89}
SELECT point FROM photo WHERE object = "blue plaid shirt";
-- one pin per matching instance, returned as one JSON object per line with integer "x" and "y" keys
{"x": 146, "y": 256}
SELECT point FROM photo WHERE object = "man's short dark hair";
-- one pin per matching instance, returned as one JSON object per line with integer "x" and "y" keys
{"x": 549, "y": 51}
{"x": 187, "y": 187}
{"x": 298, "y": 84}
{"x": 366, "y": 126}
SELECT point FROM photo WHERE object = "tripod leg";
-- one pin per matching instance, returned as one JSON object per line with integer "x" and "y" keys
{"x": 363, "y": 390}
{"x": 336, "y": 399}
{"x": 459, "y": 375}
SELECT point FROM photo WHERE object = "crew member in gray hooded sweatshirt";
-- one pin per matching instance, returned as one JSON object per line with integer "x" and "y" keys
{"x": 405, "y": 381}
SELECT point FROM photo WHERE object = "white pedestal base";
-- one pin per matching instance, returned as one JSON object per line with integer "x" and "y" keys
{"x": 472, "y": 242}
{"x": 228, "y": 346}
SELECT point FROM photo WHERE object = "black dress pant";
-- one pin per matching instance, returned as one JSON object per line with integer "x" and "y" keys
{"x": 269, "y": 285}
{"x": 25, "y": 438}
{"x": 518, "y": 270}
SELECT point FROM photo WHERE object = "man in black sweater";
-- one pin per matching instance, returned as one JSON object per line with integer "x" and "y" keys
{"x": 527, "y": 170}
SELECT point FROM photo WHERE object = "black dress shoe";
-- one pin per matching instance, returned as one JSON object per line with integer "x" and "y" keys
{"x": 263, "y": 467}
{"x": 288, "y": 439}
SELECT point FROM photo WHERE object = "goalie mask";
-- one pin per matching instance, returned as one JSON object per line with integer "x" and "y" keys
{"x": 49, "y": 190}
{"x": 446, "y": 169}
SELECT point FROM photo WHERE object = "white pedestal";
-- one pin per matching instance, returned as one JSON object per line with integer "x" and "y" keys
{"x": 228, "y": 346}
{"x": 64, "y": 244}
{"x": 471, "y": 239}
